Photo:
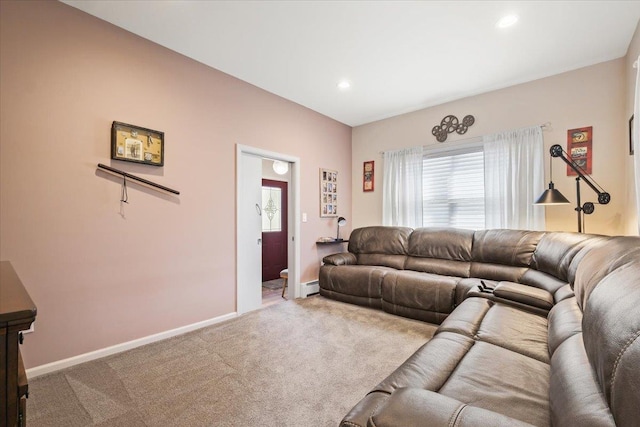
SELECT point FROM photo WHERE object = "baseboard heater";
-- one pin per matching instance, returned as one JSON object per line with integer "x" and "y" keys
{"x": 310, "y": 288}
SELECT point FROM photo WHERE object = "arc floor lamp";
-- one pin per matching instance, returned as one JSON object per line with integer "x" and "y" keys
{"x": 551, "y": 196}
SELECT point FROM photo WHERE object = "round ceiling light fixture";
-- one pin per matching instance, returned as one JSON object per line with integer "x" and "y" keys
{"x": 344, "y": 85}
{"x": 280, "y": 167}
{"x": 507, "y": 21}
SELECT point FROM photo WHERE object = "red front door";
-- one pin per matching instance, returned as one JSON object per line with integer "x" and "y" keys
{"x": 274, "y": 228}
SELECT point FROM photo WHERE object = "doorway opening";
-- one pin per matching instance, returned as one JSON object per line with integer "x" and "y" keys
{"x": 257, "y": 219}
{"x": 275, "y": 233}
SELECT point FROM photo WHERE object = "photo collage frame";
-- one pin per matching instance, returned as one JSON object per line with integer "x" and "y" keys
{"x": 328, "y": 193}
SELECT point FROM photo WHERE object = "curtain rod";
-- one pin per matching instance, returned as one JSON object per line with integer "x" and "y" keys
{"x": 543, "y": 126}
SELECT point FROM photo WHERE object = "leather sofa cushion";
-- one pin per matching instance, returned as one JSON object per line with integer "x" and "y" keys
{"x": 565, "y": 321}
{"x": 423, "y": 292}
{"x": 431, "y": 365}
{"x": 500, "y": 380}
{"x": 360, "y": 414}
{"x": 508, "y": 247}
{"x": 380, "y": 240}
{"x": 599, "y": 261}
{"x": 467, "y": 321}
{"x": 524, "y": 294}
{"x": 500, "y": 324}
{"x": 444, "y": 267}
{"x": 574, "y": 393}
{"x": 343, "y": 258}
{"x": 577, "y": 259}
{"x": 542, "y": 280}
{"x": 353, "y": 280}
{"x": 563, "y": 293}
{"x": 479, "y": 374}
{"x": 351, "y": 299}
{"x": 611, "y": 333}
{"x": 441, "y": 243}
{"x": 383, "y": 260}
{"x": 411, "y": 407}
{"x": 466, "y": 285}
{"x": 428, "y": 368}
{"x": 496, "y": 271}
{"x": 555, "y": 251}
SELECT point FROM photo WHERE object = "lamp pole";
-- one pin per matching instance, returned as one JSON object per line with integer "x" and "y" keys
{"x": 588, "y": 208}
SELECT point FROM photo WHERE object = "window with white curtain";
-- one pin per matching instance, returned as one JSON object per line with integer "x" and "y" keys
{"x": 453, "y": 188}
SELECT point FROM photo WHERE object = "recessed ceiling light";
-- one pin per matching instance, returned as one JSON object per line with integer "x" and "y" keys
{"x": 344, "y": 85}
{"x": 507, "y": 21}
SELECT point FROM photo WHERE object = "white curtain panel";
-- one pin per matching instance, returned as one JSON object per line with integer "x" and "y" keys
{"x": 636, "y": 140}
{"x": 402, "y": 188}
{"x": 514, "y": 179}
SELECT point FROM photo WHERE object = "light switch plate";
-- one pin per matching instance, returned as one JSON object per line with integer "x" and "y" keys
{"x": 304, "y": 217}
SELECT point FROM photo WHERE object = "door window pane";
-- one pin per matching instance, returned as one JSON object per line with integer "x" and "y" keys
{"x": 271, "y": 209}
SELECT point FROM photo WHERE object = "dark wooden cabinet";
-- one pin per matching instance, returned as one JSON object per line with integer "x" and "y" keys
{"x": 17, "y": 312}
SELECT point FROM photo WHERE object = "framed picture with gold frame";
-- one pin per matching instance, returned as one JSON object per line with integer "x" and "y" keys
{"x": 328, "y": 193}
{"x": 137, "y": 144}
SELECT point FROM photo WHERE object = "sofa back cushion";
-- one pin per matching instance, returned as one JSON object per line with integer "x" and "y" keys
{"x": 441, "y": 243}
{"x": 445, "y": 251}
{"x": 507, "y": 247}
{"x": 607, "y": 288}
{"x": 575, "y": 396}
{"x": 384, "y": 246}
{"x": 555, "y": 251}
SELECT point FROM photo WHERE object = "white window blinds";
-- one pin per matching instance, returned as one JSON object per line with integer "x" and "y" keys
{"x": 453, "y": 189}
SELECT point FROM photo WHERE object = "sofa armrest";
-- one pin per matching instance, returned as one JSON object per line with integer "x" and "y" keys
{"x": 408, "y": 407}
{"x": 524, "y": 294}
{"x": 344, "y": 258}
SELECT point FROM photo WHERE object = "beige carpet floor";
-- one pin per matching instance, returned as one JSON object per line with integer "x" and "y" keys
{"x": 299, "y": 363}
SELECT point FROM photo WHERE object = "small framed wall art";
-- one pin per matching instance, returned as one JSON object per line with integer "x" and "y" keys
{"x": 137, "y": 144}
{"x": 328, "y": 193}
{"x": 368, "y": 171}
{"x": 579, "y": 147}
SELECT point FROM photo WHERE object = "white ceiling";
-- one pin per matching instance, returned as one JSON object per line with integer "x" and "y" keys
{"x": 399, "y": 56}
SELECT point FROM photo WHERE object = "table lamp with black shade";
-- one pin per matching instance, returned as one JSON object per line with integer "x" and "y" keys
{"x": 551, "y": 196}
{"x": 341, "y": 221}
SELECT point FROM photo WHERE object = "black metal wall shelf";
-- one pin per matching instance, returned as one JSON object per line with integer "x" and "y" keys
{"x": 137, "y": 178}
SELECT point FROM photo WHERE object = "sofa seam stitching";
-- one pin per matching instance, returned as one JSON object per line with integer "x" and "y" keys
{"x": 620, "y": 354}
{"x": 373, "y": 411}
{"x": 453, "y": 419}
{"x": 446, "y": 380}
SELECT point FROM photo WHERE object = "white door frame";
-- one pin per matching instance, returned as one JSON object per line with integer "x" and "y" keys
{"x": 293, "y": 239}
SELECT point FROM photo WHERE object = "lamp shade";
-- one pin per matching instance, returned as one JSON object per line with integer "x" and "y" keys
{"x": 341, "y": 221}
{"x": 551, "y": 196}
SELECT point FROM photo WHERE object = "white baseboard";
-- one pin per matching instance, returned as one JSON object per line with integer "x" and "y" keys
{"x": 118, "y": 348}
{"x": 309, "y": 288}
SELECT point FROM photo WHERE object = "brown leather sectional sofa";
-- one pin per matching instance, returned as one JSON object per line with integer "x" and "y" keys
{"x": 535, "y": 328}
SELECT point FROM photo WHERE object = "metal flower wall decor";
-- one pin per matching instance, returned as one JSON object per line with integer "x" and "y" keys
{"x": 451, "y": 124}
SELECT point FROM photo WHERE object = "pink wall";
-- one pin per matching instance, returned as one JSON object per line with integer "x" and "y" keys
{"x": 97, "y": 278}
